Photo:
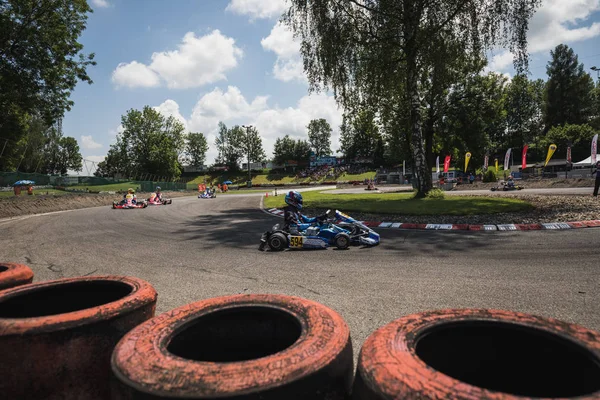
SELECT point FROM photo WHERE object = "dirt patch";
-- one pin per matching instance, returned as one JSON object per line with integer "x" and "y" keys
{"x": 547, "y": 209}
{"x": 27, "y": 205}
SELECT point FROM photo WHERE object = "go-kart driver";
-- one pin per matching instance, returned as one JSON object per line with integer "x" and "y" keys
{"x": 292, "y": 216}
{"x": 510, "y": 181}
{"x": 130, "y": 192}
{"x": 158, "y": 194}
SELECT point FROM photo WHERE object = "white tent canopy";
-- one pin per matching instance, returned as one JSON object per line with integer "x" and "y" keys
{"x": 588, "y": 161}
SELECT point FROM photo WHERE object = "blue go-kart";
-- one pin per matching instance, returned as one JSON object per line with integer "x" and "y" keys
{"x": 338, "y": 230}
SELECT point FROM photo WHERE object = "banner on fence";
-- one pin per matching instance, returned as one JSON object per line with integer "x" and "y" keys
{"x": 507, "y": 159}
{"x": 551, "y": 150}
{"x": 524, "y": 158}
{"x": 467, "y": 159}
{"x": 594, "y": 148}
{"x": 437, "y": 165}
{"x": 446, "y": 163}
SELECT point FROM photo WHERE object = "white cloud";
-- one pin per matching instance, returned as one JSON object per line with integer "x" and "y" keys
{"x": 87, "y": 142}
{"x": 232, "y": 108}
{"x": 257, "y": 9}
{"x": 196, "y": 62}
{"x": 555, "y": 22}
{"x": 135, "y": 74}
{"x": 170, "y": 108}
{"x": 288, "y": 65}
{"x": 100, "y": 3}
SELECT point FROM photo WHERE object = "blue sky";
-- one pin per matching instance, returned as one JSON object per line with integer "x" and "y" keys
{"x": 209, "y": 60}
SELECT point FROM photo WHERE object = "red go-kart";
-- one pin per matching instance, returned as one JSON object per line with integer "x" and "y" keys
{"x": 128, "y": 203}
{"x": 155, "y": 201}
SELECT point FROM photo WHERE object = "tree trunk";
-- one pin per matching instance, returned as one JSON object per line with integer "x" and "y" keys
{"x": 421, "y": 171}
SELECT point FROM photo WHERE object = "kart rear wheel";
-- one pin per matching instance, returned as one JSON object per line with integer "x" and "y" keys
{"x": 277, "y": 241}
{"x": 342, "y": 241}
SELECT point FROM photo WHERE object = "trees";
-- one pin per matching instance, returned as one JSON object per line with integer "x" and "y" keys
{"x": 319, "y": 136}
{"x": 360, "y": 48}
{"x": 196, "y": 148}
{"x": 252, "y": 146}
{"x": 579, "y": 136}
{"x": 287, "y": 148}
{"x": 359, "y": 135}
{"x": 568, "y": 96}
{"x": 40, "y": 63}
{"x": 150, "y": 144}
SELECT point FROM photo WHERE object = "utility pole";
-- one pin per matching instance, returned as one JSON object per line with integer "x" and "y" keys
{"x": 594, "y": 68}
{"x": 249, "y": 183}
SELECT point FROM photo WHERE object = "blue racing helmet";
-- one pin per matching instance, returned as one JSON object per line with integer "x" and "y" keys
{"x": 294, "y": 199}
{"x": 158, "y": 188}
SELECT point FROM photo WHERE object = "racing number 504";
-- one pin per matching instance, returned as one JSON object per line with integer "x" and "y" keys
{"x": 296, "y": 241}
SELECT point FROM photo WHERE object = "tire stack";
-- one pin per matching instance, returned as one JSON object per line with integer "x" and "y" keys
{"x": 97, "y": 338}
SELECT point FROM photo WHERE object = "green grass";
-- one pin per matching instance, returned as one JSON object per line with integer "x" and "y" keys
{"x": 405, "y": 204}
{"x": 357, "y": 177}
{"x": 114, "y": 187}
{"x": 38, "y": 192}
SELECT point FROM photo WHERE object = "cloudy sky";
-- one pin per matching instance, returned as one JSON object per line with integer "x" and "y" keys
{"x": 206, "y": 61}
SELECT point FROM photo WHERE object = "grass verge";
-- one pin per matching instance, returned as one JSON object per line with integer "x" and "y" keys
{"x": 38, "y": 192}
{"x": 405, "y": 204}
{"x": 108, "y": 188}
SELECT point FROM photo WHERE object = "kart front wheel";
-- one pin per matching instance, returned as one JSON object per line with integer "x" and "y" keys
{"x": 342, "y": 241}
{"x": 277, "y": 241}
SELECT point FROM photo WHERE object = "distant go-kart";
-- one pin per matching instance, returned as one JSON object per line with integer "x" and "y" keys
{"x": 207, "y": 195}
{"x": 504, "y": 186}
{"x": 128, "y": 203}
{"x": 338, "y": 230}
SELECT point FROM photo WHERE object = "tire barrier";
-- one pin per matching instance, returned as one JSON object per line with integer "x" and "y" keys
{"x": 56, "y": 337}
{"x": 237, "y": 347}
{"x": 478, "y": 354}
{"x": 12, "y": 275}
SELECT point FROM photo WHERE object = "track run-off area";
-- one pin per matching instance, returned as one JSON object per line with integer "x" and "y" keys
{"x": 196, "y": 248}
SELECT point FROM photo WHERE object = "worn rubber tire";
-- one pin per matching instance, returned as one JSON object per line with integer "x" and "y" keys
{"x": 12, "y": 275}
{"x": 492, "y": 354}
{"x": 342, "y": 241}
{"x": 277, "y": 241}
{"x": 56, "y": 337}
{"x": 224, "y": 357}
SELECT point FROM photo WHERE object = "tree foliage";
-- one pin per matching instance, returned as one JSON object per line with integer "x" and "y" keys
{"x": 252, "y": 145}
{"x": 40, "y": 63}
{"x": 195, "y": 149}
{"x": 319, "y": 136}
{"x": 360, "y": 48}
{"x": 150, "y": 144}
{"x": 288, "y": 149}
{"x": 569, "y": 90}
{"x": 578, "y": 136}
{"x": 359, "y": 135}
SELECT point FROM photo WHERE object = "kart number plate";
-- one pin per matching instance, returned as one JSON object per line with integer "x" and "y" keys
{"x": 296, "y": 241}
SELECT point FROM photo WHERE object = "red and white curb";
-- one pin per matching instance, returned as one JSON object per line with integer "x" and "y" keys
{"x": 552, "y": 226}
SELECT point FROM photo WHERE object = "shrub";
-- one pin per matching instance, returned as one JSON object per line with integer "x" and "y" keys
{"x": 490, "y": 176}
{"x": 436, "y": 193}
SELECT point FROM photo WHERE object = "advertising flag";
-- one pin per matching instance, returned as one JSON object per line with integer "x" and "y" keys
{"x": 594, "y": 148}
{"x": 569, "y": 154}
{"x": 485, "y": 162}
{"x": 437, "y": 165}
{"x": 551, "y": 150}
{"x": 467, "y": 158}
{"x": 496, "y": 165}
{"x": 446, "y": 163}
{"x": 507, "y": 159}
{"x": 524, "y": 158}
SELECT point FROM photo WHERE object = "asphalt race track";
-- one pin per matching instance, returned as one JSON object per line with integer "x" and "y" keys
{"x": 200, "y": 248}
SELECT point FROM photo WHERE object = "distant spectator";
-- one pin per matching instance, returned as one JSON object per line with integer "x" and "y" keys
{"x": 471, "y": 178}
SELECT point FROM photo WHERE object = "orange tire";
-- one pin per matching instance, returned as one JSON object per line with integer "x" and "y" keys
{"x": 237, "y": 347}
{"x": 56, "y": 337}
{"x": 12, "y": 275}
{"x": 478, "y": 354}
